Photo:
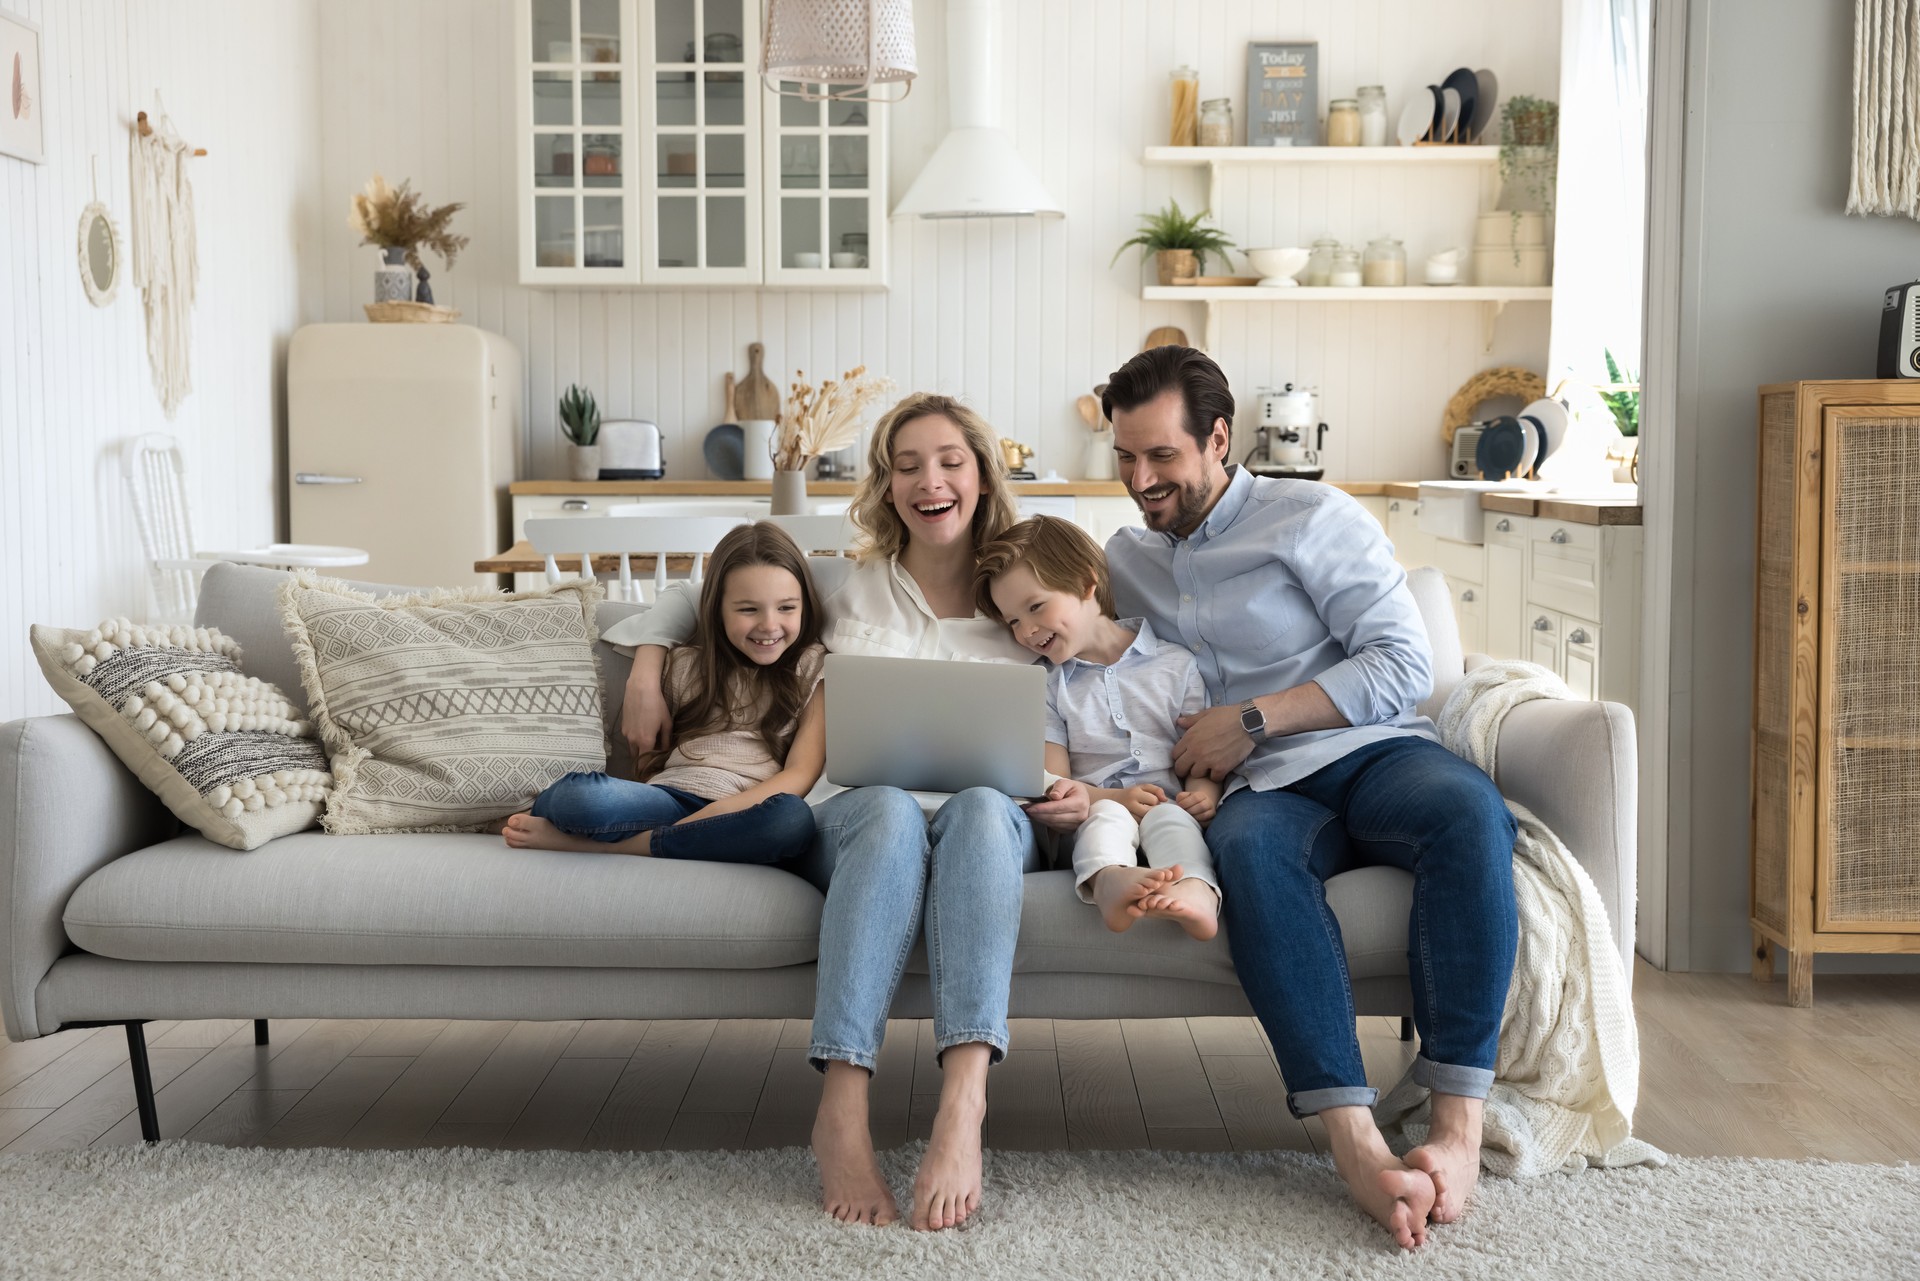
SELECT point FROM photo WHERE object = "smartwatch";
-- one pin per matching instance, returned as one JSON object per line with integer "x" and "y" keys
{"x": 1252, "y": 721}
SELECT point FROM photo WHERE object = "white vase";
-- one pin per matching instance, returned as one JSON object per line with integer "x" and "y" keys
{"x": 789, "y": 494}
{"x": 583, "y": 461}
{"x": 756, "y": 443}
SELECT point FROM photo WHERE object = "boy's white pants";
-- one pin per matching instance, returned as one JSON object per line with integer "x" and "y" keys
{"x": 1167, "y": 835}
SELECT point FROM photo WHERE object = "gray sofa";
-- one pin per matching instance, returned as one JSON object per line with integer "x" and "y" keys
{"x": 116, "y": 914}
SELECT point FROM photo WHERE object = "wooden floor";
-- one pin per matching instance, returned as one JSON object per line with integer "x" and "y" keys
{"x": 1728, "y": 1070}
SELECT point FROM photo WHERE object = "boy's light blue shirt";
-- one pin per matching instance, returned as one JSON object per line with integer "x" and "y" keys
{"x": 1285, "y": 582}
{"x": 1117, "y": 720}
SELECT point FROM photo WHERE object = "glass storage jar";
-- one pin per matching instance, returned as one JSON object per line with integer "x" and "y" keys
{"x": 1216, "y": 122}
{"x": 1186, "y": 106}
{"x": 1343, "y": 122}
{"x": 1346, "y": 268}
{"x": 1320, "y": 261}
{"x": 1385, "y": 262}
{"x": 1373, "y": 115}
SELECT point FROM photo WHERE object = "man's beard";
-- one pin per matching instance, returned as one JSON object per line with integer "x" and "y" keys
{"x": 1187, "y": 512}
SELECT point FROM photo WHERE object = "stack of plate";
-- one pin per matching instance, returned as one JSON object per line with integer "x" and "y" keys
{"x": 1458, "y": 110}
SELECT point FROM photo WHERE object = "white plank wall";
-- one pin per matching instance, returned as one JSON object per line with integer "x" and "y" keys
{"x": 1020, "y": 318}
{"x": 239, "y": 78}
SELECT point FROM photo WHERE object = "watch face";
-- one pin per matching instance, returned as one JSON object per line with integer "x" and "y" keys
{"x": 1252, "y": 721}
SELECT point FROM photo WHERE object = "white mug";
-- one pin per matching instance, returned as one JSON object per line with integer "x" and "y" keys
{"x": 849, "y": 260}
{"x": 756, "y": 447}
{"x": 806, "y": 260}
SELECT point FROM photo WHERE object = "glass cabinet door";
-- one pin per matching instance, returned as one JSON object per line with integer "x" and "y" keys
{"x": 703, "y": 155}
{"x": 825, "y": 188}
{"x": 575, "y": 150}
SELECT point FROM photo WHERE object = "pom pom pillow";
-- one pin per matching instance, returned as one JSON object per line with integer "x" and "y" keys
{"x": 223, "y": 750}
{"x": 445, "y": 710}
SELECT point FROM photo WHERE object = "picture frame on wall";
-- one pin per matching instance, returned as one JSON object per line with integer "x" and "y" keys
{"x": 1283, "y": 93}
{"x": 22, "y": 101}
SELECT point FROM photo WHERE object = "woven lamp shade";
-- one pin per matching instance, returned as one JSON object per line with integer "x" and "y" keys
{"x": 851, "y": 44}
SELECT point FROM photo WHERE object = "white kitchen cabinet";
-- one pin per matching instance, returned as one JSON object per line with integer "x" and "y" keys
{"x": 1505, "y": 604}
{"x": 1554, "y": 589}
{"x": 1412, "y": 546}
{"x": 1469, "y": 614}
{"x": 650, "y": 153}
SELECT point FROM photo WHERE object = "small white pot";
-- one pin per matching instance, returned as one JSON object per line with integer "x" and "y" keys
{"x": 584, "y": 461}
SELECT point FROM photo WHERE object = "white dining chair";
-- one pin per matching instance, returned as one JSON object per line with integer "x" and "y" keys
{"x": 820, "y": 533}
{"x": 627, "y": 537}
{"x": 154, "y": 468}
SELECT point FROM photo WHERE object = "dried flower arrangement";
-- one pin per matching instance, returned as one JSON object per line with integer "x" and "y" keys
{"x": 400, "y": 218}
{"x": 820, "y": 420}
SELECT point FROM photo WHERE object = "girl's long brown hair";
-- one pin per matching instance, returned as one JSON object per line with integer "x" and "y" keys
{"x": 726, "y": 683}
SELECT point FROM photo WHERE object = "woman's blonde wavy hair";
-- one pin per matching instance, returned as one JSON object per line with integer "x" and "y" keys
{"x": 882, "y": 532}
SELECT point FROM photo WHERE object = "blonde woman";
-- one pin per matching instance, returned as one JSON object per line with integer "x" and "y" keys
{"x": 935, "y": 491}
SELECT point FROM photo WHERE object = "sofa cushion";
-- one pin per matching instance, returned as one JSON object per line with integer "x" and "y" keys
{"x": 439, "y": 899}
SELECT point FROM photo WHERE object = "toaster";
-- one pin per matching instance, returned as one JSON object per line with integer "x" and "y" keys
{"x": 1900, "y": 332}
{"x": 1463, "y": 464}
{"x": 630, "y": 450}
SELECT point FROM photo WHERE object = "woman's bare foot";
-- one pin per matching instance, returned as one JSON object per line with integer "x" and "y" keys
{"x": 852, "y": 1189}
{"x": 1190, "y": 902}
{"x": 525, "y": 832}
{"x": 1399, "y": 1199}
{"x": 1451, "y": 1154}
{"x": 1117, "y": 892}
{"x": 946, "y": 1191}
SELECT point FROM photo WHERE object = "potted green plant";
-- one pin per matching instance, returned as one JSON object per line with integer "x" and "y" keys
{"x": 1621, "y": 396}
{"x": 1178, "y": 242}
{"x": 1529, "y": 162}
{"x": 580, "y": 420}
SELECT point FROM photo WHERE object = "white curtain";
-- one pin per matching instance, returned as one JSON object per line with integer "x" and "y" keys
{"x": 1886, "y": 108}
{"x": 1599, "y": 243}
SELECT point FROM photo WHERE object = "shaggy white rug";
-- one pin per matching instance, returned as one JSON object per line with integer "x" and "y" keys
{"x": 188, "y": 1210}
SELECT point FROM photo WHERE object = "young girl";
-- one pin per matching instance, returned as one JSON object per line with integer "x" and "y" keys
{"x": 749, "y": 728}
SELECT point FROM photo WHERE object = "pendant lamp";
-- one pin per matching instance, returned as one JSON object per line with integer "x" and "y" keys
{"x": 844, "y": 47}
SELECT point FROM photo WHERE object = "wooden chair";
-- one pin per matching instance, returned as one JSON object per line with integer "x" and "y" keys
{"x": 626, "y": 537}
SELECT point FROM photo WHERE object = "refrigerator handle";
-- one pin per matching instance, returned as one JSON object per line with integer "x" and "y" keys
{"x": 320, "y": 478}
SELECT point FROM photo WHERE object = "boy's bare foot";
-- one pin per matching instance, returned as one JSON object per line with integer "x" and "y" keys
{"x": 1451, "y": 1154}
{"x": 525, "y": 832}
{"x": 1400, "y": 1199}
{"x": 852, "y": 1189}
{"x": 1190, "y": 902}
{"x": 946, "y": 1191}
{"x": 1117, "y": 892}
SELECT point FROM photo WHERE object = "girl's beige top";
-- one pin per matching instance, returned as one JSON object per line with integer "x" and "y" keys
{"x": 731, "y": 761}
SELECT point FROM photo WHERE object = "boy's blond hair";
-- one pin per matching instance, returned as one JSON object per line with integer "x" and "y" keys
{"x": 1061, "y": 555}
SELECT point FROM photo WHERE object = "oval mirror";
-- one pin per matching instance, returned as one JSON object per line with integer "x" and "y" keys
{"x": 99, "y": 254}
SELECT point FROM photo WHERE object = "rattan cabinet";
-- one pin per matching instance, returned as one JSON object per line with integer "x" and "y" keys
{"x": 1836, "y": 709}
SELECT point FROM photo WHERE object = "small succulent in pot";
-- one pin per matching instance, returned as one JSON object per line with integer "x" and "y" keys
{"x": 580, "y": 421}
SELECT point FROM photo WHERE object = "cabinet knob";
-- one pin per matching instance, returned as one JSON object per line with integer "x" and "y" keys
{"x": 1467, "y": 596}
{"x": 1504, "y": 527}
{"x": 575, "y": 505}
{"x": 1559, "y": 536}
{"x": 1542, "y": 625}
{"x": 1394, "y": 506}
{"x": 1579, "y": 637}
{"x": 1417, "y": 507}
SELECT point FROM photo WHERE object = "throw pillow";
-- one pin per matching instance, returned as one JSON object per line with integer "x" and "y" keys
{"x": 445, "y": 710}
{"x": 226, "y": 752}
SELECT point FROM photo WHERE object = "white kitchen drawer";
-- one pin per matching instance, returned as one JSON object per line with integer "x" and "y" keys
{"x": 1464, "y": 561}
{"x": 1470, "y": 614}
{"x": 1543, "y": 638}
{"x": 1580, "y": 656}
{"x": 1411, "y": 547}
{"x": 1564, "y": 536}
{"x": 1504, "y": 528}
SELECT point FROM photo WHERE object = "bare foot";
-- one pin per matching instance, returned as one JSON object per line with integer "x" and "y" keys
{"x": 852, "y": 1189}
{"x": 1117, "y": 892}
{"x": 1399, "y": 1199}
{"x": 525, "y": 832}
{"x": 946, "y": 1191}
{"x": 1451, "y": 1154}
{"x": 499, "y": 825}
{"x": 1190, "y": 902}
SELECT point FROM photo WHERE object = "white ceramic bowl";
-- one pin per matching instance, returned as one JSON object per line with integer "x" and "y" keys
{"x": 1277, "y": 264}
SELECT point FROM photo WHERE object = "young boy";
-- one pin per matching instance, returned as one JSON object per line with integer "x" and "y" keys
{"x": 1113, "y": 693}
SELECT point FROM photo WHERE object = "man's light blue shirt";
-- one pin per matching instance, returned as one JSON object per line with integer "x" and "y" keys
{"x": 1286, "y": 582}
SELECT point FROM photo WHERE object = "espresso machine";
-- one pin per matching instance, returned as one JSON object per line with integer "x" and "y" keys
{"x": 1288, "y": 419}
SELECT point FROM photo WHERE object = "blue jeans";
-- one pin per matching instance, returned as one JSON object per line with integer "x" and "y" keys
{"x": 1406, "y": 803}
{"x": 603, "y": 808}
{"x": 885, "y": 870}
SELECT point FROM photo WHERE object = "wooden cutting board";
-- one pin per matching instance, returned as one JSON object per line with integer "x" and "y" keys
{"x": 1219, "y": 282}
{"x": 756, "y": 396}
{"x": 1166, "y": 336}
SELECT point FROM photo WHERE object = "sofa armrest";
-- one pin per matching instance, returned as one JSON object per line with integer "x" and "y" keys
{"x": 1576, "y": 766}
{"x": 67, "y": 808}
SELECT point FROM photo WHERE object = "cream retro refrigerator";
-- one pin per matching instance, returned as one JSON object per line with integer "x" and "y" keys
{"x": 402, "y": 439}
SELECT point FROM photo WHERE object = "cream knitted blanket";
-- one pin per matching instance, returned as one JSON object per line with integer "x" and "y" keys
{"x": 1568, "y": 1071}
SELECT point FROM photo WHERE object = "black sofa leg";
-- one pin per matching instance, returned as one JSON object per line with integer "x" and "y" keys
{"x": 1406, "y": 1029}
{"x": 259, "y": 1031}
{"x": 142, "y": 1081}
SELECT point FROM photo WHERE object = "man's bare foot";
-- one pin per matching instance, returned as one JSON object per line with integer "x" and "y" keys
{"x": 1190, "y": 902}
{"x": 1451, "y": 1154}
{"x": 1399, "y": 1199}
{"x": 946, "y": 1191}
{"x": 525, "y": 832}
{"x": 1117, "y": 892}
{"x": 852, "y": 1189}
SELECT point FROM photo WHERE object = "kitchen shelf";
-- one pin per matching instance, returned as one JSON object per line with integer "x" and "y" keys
{"x": 1196, "y": 156}
{"x": 1493, "y": 299}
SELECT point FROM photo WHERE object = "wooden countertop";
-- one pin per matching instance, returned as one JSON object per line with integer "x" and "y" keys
{"x": 1574, "y": 511}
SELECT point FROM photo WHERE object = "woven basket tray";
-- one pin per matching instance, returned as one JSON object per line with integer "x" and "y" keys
{"x": 410, "y": 313}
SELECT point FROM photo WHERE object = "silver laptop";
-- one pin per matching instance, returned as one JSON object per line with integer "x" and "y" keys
{"x": 928, "y": 725}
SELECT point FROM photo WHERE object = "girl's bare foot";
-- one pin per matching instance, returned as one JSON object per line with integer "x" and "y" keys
{"x": 1400, "y": 1199}
{"x": 1117, "y": 892}
{"x": 525, "y": 832}
{"x": 499, "y": 825}
{"x": 946, "y": 1191}
{"x": 1190, "y": 902}
{"x": 1451, "y": 1154}
{"x": 852, "y": 1189}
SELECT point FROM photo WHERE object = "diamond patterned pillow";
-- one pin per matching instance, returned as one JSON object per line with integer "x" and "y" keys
{"x": 447, "y": 710}
{"x": 224, "y": 751}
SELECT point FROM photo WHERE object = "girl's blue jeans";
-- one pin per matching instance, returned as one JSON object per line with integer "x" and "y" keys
{"x": 1402, "y": 802}
{"x": 603, "y": 808}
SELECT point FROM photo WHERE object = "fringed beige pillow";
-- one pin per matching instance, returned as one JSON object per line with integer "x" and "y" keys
{"x": 444, "y": 711}
{"x": 223, "y": 750}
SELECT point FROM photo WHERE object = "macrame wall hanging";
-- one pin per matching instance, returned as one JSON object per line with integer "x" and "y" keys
{"x": 166, "y": 261}
{"x": 1886, "y": 108}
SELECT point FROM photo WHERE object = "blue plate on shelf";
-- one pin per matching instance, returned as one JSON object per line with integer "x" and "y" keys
{"x": 725, "y": 448}
{"x": 1502, "y": 448}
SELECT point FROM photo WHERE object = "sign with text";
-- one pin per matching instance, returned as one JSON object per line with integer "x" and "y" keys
{"x": 1283, "y": 93}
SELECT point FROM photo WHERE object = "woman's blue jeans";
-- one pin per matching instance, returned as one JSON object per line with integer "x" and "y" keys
{"x": 886, "y": 871}
{"x": 1403, "y": 802}
{"x": 603, "y": 808}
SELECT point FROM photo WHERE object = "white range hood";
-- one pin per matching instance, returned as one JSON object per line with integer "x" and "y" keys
{"x": 977, "y": 171}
